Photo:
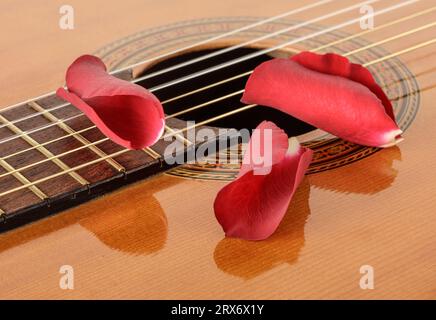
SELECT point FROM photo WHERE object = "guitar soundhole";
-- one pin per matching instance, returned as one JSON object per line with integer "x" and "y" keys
{"x": 246, "y": 119}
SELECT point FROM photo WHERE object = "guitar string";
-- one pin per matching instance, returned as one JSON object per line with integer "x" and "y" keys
{"x": 249, "y": 42}
{"x": 177, "y": 66}
{"x": 208, "y": 120}
{"x": 210, "y": 55}
{"x": 404, "y": 34}
{"x": 220, "y": 36}
{"x": 118, "y": 153}
{"x": 382, "y": 26}
{"x": 223, "y": 65}
{"x": 415, "y": 47}
{"x": 423, "y": 12}
{"x": 227, "y": 80}
{"x": 270, "y": 49}
{"x": 420, "y": 45}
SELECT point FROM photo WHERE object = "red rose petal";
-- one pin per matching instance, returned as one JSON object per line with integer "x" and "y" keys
{"x": 328, "y": 92}
{"x": 125, "y": 112}
{"x": 252, "y": 206}
{"x": 256, "y": 149}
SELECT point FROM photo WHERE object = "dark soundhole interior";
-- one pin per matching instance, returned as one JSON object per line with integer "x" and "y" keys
{"x": 245, "y": 119}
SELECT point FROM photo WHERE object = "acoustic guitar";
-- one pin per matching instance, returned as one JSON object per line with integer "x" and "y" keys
{"x": 125, "y": 223}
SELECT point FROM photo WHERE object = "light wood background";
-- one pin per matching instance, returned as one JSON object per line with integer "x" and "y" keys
{"x": 159, "y": 238}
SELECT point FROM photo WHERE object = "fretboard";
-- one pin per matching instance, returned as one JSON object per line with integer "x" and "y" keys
{"x": 43, "y": 171}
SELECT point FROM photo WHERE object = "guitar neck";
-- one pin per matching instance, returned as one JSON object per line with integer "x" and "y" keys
{"x": 68, "y": 162}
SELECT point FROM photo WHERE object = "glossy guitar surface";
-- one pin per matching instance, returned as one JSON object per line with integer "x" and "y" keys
{"x": 158, "y": 237}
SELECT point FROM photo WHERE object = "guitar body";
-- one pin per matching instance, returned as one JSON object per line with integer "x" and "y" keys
{"x": 158, "y": 237}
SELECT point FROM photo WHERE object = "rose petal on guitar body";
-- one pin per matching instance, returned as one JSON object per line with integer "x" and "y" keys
{"x": 328, "y": 92}
{"x": 252, "y": 206}
{"x": 126, "y": 113}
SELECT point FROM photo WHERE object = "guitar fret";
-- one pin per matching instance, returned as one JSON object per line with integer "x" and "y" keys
{"x": 23, "y": 180}
{"x": 43, "y": 150}
{"x": 62, "y": 173}
{"x": 95, "y": 169}
{"x": 49, "y": 116}
{"x": 152, "y": 153}
{"x": 178, "y": 136}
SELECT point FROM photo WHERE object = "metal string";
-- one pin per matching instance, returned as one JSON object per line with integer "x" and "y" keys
{"x": 223, "y": 65}
{"x": 175, "y": 132}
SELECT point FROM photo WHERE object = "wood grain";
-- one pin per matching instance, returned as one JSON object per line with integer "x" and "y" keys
{"x": 159, "y": 238}
{"x": 63, "y": 191}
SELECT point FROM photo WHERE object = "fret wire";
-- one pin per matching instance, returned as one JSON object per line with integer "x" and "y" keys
{"x": 64, "y": 172}
{"x": 59, "y": 122}
{"x": 178, "y": 136}
{"x": 18, "y": 135}
{"x": 147, "y": 150}
{"x": 84, "y": 165}
{"x": 43, "y": 150}
{"x": 163, "y": 102}
{"x": 152, "y": 153}
{"x": 53, "y": 157}
{"x": 33, "y": 115}
{"x": 45, "y": 143}
{"x": 23, "y": 180}
{"x": 234, "y": 47}
{"x": 49, "y": 116}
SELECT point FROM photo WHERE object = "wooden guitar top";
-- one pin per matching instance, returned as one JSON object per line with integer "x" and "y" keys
{"x": 159, "y": 238}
